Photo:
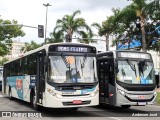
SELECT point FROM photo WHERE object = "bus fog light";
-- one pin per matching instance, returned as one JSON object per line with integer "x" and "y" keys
{"x": 122, "y": 92}
{"x": 58, "y": 96}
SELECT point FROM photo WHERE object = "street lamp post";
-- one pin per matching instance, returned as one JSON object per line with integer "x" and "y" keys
{"x": 46, "y": 5}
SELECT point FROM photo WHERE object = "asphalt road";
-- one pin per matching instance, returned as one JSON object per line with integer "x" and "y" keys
{"x": 22, "y": 109}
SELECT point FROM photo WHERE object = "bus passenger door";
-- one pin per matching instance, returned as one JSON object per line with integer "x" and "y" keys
{"x": 103, "y": 81}
{"x": 40, "y": 82}
{"x": 111, "y": 82}
{"x": 106, "y": 80}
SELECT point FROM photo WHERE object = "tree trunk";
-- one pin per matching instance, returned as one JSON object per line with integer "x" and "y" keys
{"x": 107, "y": 41}
{"x": 144, "y": 45}
{"x": 69, "y": 35}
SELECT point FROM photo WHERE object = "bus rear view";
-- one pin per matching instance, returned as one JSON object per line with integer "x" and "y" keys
{"x": 127, "y": 78}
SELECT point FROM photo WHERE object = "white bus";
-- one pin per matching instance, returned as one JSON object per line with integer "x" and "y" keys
{"x": 126, "y": 78}
{"x": 62, "y": 75}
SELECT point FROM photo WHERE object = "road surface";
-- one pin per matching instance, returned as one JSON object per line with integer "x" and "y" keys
{"x": 18, "y": 109}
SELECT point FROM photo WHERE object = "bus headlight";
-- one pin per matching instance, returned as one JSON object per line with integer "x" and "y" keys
{"x": 94, "y": 93}
{"x": 51, "y": 92}
{"x": 54, "y": 94}
{"x": 121, "y": 92}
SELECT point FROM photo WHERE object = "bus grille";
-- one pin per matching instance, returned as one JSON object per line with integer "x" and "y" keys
{"x": 78, "y": 87}
{"x": 71, "y": 103}
{"x": 75, "y": 95}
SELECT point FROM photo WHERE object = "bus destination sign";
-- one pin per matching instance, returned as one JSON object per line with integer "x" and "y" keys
{"x": 134, "y": 55}
{"x": 72, "y": 49}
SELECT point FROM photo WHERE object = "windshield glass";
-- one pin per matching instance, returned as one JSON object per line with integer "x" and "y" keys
{"x": 72, "y": 69}
{"x": 135, "y": 72}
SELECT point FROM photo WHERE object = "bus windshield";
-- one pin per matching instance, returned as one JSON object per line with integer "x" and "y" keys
{"x": 72, "y": 69}
{"x": 135, "y": 72}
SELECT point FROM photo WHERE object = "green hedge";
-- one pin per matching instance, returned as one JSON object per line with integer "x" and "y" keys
{"x": 158, "y": 98}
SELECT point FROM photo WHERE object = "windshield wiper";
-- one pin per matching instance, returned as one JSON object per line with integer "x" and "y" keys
{"x": 141, "y": 66}
{"x": 67, "y": 65}
{"x": 65, "y": 61}
{"x": 132, "y": 66}
{"x": 83, "y": 62}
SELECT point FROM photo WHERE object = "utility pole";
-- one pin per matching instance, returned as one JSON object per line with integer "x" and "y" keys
{"x": 46, "y": 5}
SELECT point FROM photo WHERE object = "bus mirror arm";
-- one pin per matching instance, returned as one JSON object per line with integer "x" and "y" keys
{"x": 46, "y": 60}
{"x": 116, "y": 67}
{"x": 117, "y": 70}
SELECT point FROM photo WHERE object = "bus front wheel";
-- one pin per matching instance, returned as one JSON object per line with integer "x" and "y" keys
{"x": 10, "y": 94}
{"x": 34, "y": 102}
{"x": 125, "y": 106}
{"x": 74, "y": 109}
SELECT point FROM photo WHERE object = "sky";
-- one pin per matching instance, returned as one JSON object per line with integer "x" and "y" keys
{"x": 33, "y": 13}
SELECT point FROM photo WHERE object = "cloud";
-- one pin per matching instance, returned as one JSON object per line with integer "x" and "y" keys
{"x": 32, "y": 12}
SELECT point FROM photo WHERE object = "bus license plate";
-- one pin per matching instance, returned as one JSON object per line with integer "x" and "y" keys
{"x": 141, "y": 103}
{"x": 77, "y": 101}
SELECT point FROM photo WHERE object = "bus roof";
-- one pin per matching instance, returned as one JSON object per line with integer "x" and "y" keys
{"x": 46, "y": 46}
{"x": 113, "y": 53}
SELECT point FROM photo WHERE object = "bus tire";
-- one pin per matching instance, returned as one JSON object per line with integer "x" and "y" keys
{"x": 125, "y": 106}
{"x": 10, "y": 94}
{"x": 31, "y": 98}
{"x": 34, "y": 103}
{"x": 74, "y": 109}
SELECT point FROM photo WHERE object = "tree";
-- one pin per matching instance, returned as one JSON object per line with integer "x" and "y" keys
{"x": 7, "y": 33}
{"x": 30, "y": 46}
{"x": 70, "y": 25}
{"x": 145, "y": 11}
{"x": 55, "y": 37}
{"x": 100, "y": 28}
{"x": 3, "y": 60}
{"x": 124, "y": 23}
{"x": 108, "y": 26}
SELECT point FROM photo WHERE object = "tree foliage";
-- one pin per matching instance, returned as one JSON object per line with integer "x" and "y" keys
{"x": 8, "y": 32}
{"x": 3, "y": 60}
{"x": 55, "y": 37}
{"x": 132, "y": 20}
{"x": 69, "y": 25}
{"x": 30, "y": 46}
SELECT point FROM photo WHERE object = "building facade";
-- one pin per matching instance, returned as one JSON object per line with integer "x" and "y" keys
{"x": 15, "y": 50}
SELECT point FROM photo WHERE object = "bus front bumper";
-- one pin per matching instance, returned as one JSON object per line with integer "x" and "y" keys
{"x": 136, "y": 100}
{"x": 70, "y": 102}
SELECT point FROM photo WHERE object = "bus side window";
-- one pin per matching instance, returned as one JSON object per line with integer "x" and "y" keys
{"x": 32, "y": 64}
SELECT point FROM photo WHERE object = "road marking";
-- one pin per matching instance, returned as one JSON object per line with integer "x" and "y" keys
{"x": 108, "y": 116}
{"x": 115, "y": 118}
{"x": 1, "y": 96}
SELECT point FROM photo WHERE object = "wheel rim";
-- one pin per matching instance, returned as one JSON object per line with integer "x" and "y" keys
{"x": 34, "y": 101}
